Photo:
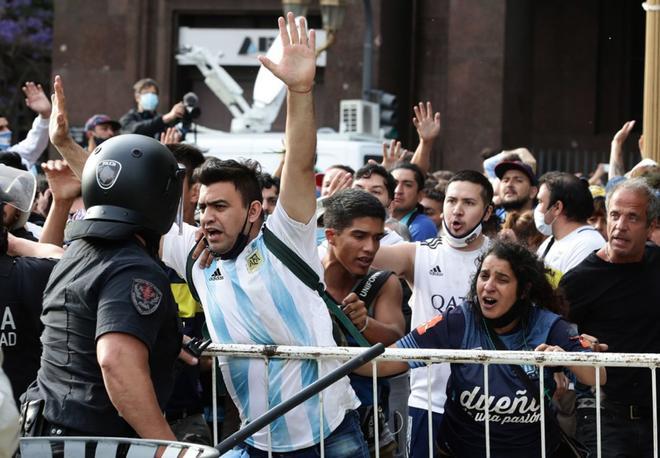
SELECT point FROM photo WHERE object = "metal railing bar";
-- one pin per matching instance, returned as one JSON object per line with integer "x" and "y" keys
{"x": 487, "y": 410}
{"x": 542, "y": 405}
{"x": 442, "y": 356}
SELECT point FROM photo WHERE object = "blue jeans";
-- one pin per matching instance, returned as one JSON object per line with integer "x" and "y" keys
{"x": 419, "y": 432}
{"x": 345, "y": 441}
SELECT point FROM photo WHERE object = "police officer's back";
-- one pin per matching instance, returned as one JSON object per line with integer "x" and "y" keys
{"x": 111, "y": 333}
{"x": 22, "y": 282}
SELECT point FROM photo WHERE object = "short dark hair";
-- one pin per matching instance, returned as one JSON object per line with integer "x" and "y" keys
{"x": 190, "y": 156}
{"x": 267, "y": 181}
{"x": 475, "y": 177}
{"x": 244, "y": 175}
{"x": 419, "y": 175}
{"x": 433, "y": 194}
{"x": 343, "y": 167}
{"x": 346, "y": 205}
{"x": 375, "y": 169}
{"x": 573, "y": 193}
{"x": 533, "y": 284}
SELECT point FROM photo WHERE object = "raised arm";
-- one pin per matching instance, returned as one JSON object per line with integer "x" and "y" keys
{"x": 65, "y": 187}
{"x": 428, "y": 129}
{"x": 36, "y": 140}
{"x": 617, "y": 166}
{"x": 60, "y": 137}
{"x": 297, "y": 69}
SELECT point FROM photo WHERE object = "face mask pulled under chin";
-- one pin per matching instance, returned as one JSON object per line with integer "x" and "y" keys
{"x": 539, "y": 221}
{"x": 460, "y": 242}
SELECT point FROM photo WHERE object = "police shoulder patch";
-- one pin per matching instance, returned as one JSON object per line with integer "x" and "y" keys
{"x": 145, "y": 296}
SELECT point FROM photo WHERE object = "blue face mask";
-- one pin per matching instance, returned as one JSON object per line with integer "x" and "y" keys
{"x": 320, "y": 235}
{"x": 149, "y": 101}
{"x": 5, "y": 140}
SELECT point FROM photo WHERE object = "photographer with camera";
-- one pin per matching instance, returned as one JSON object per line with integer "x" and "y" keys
{"x": 144, "y": 119}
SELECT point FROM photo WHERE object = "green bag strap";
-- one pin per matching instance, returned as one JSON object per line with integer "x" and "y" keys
{"x": 190, "y": 262}
{"x": 307, "y": 275}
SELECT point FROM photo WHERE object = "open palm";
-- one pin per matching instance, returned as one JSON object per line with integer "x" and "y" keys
{"x": 298, "y": 64}
{"x": 36, "y": 99}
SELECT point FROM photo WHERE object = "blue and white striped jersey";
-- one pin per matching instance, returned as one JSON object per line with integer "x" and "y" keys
{"x": 255, "y": 299}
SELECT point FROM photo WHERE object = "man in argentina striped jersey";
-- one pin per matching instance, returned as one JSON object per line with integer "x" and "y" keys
{"x": 250, "y": 297}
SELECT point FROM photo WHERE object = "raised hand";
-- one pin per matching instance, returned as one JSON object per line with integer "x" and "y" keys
{"x": 341, "y": 180}
{"x": 58, "y": 129}
{"x": 621, "y": 136}
{"x": 36, "y": 99}
{"x": 426, "y": 123}
{"x": 392, "y": 154}
{"x": 297, "y": 67}
{"x": 171, "y": 136}
{"x": 63, "y": 183}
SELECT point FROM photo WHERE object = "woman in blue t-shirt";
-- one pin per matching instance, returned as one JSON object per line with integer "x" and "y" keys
{"x": 510, "y": 305}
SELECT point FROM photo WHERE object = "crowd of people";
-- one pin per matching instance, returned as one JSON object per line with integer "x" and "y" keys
{"x": 119, "y": 260}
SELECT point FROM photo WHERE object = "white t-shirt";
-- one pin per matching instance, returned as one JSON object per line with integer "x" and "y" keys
{"x": 570, "y": 251}
{"x": 442, "y": 281}
{"x": 255, "y": 299}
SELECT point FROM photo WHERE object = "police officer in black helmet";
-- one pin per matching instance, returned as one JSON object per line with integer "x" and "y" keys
{"x": 111, "y": 335}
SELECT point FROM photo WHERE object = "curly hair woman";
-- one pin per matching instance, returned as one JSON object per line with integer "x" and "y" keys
{"x": 510, "y": 302}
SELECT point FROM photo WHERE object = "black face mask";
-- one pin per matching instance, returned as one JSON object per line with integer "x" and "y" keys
{"x": 98, "y": 141}
{"x": 239, "y": 245}
{"x": 517, "y": 311}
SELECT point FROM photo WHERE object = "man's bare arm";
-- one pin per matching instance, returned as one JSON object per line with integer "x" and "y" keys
{"x": 58, "y": 130}
{"x": 388, "y": 324}
{"x": 65, "y": 187}
{"x": 124, "y": 362}
{"x": 399, "y": 258}
{"x": 297, "y": 69}
{"x": 428, "y": 129}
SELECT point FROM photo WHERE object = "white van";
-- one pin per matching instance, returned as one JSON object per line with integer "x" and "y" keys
{"x": 266, "y": 148}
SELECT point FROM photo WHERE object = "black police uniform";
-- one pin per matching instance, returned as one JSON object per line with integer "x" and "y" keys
{"x": 22, "y": 283}
{"x": 101, "y": 286}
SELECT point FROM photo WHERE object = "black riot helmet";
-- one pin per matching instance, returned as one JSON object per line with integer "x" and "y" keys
{"x": 133, "y": 180}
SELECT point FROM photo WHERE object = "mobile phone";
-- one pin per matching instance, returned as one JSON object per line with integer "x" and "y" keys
{"x": 606, "y": 167}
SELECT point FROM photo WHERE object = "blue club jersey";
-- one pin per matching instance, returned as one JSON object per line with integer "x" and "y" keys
{"x": 514, "y": 414}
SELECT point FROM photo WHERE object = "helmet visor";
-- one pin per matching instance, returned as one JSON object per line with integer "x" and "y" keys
{"x": 17, "y": 187}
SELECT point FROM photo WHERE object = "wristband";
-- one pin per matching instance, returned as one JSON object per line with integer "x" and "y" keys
{"x": 366, "y": 323}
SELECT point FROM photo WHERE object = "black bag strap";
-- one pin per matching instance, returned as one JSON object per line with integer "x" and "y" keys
{"x": 547, "y": 248}
{"x": 368, "y": 287}
{"x": 306, "y": 274}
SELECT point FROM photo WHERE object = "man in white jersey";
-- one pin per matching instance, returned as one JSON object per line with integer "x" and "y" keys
{"x": 250, "y": 297}
{"x": 565, "y": 204}
{"x": 439, "y": 271}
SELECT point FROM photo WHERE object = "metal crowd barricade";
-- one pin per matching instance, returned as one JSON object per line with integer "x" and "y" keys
{"x": 484, "y": 357}
{"x": 110, "y": 447}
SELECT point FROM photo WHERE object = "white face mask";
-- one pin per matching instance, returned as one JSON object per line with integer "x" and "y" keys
{"x": 539, "y": 221}
{"x": 460, "y": 242}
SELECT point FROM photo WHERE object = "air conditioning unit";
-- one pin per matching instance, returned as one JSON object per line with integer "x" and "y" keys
{"x": 359, "y": 117}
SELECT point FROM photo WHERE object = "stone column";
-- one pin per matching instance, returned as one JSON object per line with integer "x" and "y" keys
{"x": 652, "y": 81}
